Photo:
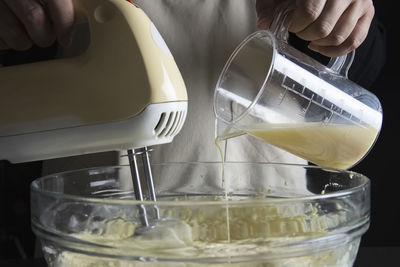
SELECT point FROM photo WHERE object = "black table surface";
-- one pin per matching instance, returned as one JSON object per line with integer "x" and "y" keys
{"x": 367, "y": 256}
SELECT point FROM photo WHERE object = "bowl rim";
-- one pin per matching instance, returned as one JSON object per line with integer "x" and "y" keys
{"x": 34, "y": 188}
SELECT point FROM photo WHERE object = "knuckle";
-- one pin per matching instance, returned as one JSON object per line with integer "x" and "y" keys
{"x": 337, "y": 39}
{"x": 372, "y": 11}
{"x": 368, "y": 3}
{"x": 311, "y": 10}
{"x": 324, "y": 29}
{"x": 353, "y": 43}
{"x": 33, "y": 15}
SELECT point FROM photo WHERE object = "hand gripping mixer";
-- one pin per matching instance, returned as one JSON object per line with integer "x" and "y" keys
{"x": 125, "y": 92}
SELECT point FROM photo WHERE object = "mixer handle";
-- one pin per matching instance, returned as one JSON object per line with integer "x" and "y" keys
{"x": 339, "y": 65}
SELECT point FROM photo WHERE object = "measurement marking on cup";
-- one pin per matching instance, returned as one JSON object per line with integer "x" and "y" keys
{"x": 283, "y": 95}
{"x": 309, "y": 104}
{"x": 317, "y": 100}
{"x": 305, "y": 93}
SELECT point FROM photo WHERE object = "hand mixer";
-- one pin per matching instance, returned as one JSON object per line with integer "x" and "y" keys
{"x": 125, "y": 92}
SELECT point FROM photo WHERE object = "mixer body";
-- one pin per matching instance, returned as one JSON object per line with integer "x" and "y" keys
{"x": 124, "y": 91}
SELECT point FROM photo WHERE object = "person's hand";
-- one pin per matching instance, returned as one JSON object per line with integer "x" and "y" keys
{"x": 333, "y": 27}
{"x": 40, "y": 22}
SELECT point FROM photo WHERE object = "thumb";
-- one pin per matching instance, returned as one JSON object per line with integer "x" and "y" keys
{"x": 265, "y": 11}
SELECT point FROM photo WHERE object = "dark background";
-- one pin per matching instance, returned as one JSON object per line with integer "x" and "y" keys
{"x": 380, "y": 165}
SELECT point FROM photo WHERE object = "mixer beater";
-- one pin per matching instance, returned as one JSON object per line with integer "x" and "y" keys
{"x": 136, "y": 181}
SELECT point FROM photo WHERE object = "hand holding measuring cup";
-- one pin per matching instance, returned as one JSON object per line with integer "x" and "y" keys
{"x": 334, "y": 28}
{"x": 272, "y": 91}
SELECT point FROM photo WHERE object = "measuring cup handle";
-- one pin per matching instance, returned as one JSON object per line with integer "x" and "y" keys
{"x": 277, "y": 26}
{"x": 339, "y": 65}
{"x": 342, "y": 64}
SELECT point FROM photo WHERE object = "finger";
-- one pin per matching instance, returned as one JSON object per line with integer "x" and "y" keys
{"x": 343, "y": 28}
{"x": 62, "y": 15}
{"x": 354, "y": 40}
{"x": 326, "y": 22}
{"x": 306, "y": 12}
{"x": 12, "y": 32}
{"x": 34, "y": 18}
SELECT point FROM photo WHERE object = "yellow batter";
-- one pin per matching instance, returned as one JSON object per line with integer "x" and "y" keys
{"x": 199, "y": 232}
{"x": 336, "y": 146}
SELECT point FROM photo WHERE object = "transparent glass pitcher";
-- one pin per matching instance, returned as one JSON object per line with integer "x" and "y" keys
{"x": 272, "y": 91}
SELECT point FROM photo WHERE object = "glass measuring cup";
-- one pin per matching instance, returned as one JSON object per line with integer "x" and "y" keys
{"x": 272, "y": 91}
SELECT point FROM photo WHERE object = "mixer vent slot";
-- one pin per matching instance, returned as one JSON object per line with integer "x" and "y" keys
{"x": 169, "y": 123}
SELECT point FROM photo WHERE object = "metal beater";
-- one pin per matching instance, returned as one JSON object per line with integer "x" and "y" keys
{"x": 137, "y": 187}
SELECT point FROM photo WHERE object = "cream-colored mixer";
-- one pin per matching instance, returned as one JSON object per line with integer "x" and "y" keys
{"x": 125, "y": 92}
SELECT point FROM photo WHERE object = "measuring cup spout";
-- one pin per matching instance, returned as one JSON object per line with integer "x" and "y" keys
{"x": 225, "y": 130}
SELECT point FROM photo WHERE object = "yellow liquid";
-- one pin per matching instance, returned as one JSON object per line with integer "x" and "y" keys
{"x": 334, "y": 146}
{"x": 221, "y": 153}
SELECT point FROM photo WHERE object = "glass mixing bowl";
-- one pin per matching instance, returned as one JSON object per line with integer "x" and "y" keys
{"x": 206, "y": 214}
